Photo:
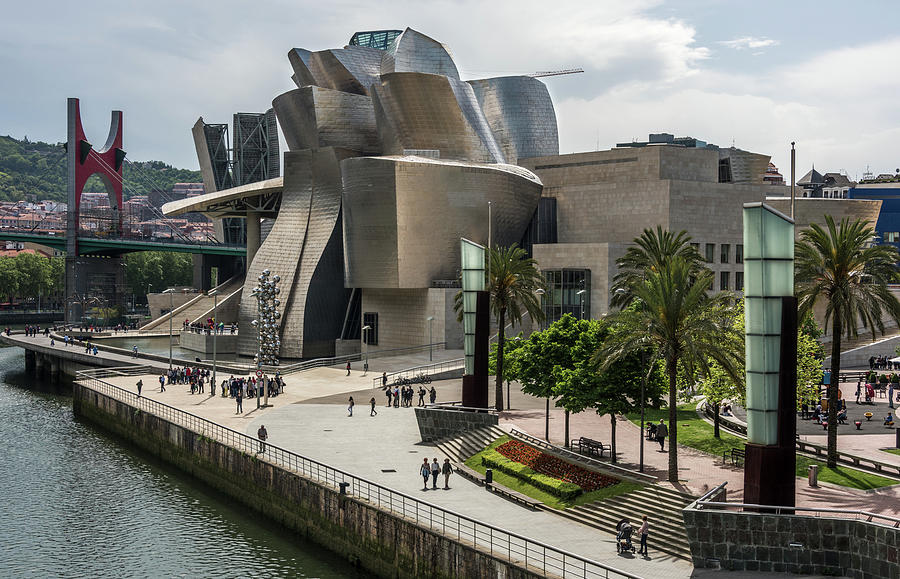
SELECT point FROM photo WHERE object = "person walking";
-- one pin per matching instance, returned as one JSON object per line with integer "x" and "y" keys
{"x": 644, "y": 531}
{"x": 421, "y": 396}
{"x": 372, "y": 402}
{"x": 432, "y": 396}
{"x": 134, "y": 353}
{"x": 435, "y": 471}
{"x": 348, "y": 368}
{"x": 447, "y": 470}
{"x": 425, "y": 472}
{"x": 239, "y": 398}
{"x": 387, "y": 392}
{"x": 661, "y": 433}
{"x": 162, "y": 382}
{"x": 384, "y": 379}
{"x": 263, "y": 434}
{"x": 350, "y": 407}
{"x": 140, "y": 384}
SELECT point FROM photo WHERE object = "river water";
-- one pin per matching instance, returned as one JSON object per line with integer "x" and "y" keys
{"x": 77, "y": 503}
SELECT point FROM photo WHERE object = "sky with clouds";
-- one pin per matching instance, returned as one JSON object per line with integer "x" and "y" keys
{"x": 754, "y": 74}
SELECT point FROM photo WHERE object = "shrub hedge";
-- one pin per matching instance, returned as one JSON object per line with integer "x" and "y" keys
{"x": 556, "y": 487}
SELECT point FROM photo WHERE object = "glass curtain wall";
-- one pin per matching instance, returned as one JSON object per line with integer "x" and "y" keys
{"x": 562, "y": 295}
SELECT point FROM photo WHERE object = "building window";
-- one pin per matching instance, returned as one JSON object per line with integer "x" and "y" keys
{"x": 563, "y": 297}
{"x": 723, "y": 280}
{"x": 738, "y": 281}
{"x": 710, "y": 252}
{"x": 724, "y": 253}
{"x": 370, "y": 337}
{"x": 738, "y": 253}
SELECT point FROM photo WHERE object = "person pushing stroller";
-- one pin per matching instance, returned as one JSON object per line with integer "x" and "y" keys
{"x": 623, "y": 537}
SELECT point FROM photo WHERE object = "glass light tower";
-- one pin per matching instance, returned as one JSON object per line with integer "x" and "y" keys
{"x": 771, "y": 356}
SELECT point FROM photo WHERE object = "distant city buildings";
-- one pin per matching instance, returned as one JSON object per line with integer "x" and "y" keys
{"x": 827, "y": 186}
{"x": 141, "y": 216}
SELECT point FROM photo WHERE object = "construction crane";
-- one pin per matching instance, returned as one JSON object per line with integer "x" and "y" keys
{"x": 556, "y": 72}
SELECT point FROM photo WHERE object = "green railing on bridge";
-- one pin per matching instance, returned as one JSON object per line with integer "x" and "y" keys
{"x": 112, "y": 246}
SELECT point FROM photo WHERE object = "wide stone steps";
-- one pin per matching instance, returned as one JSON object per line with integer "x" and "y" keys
{"x": 467, "y": 444}
{"x": 197, "y": 307}
{"x": 661, "y": 505}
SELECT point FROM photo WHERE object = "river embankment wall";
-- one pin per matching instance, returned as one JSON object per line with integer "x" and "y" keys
{"x": 384, "y": 543}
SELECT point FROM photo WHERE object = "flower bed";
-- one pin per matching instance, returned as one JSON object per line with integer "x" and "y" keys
{"x": 555, "y": 467}
{"x": 559, "y": 488}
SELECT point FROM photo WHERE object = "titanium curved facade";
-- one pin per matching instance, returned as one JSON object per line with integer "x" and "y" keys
{"x": 414, "y": 52}
{"x": 415, "y": 111}
{"x": 313, "y": 117}
{"x": 403, "y": 216}
{"x": 520, "y": 114}
{"x": 304, "y": 248}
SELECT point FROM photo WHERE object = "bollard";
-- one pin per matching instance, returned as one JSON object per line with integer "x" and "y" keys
{"x": 488, "y": 476}
{"x": 813, "y": 475}
{"x": 897, "y": 442}
{"x": 343, "y": 487}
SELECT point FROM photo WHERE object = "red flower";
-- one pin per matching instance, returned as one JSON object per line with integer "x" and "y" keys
{"x": 555, "y": 467}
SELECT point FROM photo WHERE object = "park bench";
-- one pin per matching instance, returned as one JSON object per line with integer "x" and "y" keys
{"x": 735, "y": 454}
{"x": 589, "y": 446}
{"x": 466, "y": 472}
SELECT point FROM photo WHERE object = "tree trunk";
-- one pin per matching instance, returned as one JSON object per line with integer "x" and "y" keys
{"x": 716, "y": 422}
{"x": 501, "y": 319}
{"x": 833, "y": 388}
{"x": 673, "y": 420}
{"x": 612, "y": 441}
{"x": 566, "y": 443}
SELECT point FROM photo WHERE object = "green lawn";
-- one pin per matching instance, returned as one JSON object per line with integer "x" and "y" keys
{"x": 696, "y": 433}
{"x": 526, "y": 489}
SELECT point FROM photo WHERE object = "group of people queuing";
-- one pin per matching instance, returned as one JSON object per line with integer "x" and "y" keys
{"x": 210, "y": 327}
{"x": 196, "y": 378}
{"x": 251, "y": 387}
{"x": 32, "y": 331}
{"x": 403, "y": 396}
{"x": 882, "y": 363}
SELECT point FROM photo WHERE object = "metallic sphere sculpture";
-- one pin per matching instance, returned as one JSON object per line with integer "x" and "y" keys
{"x": 266, "y": 323}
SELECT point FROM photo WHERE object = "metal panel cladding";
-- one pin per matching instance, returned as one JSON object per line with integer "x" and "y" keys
{"x": 521, "y": 115}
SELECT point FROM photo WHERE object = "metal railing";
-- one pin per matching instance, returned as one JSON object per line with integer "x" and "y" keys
{"x": 813, "y": 450}
{"x": 532, "y": 554}
{"x": 583, "y": 459}
{"x": 355, "y": 357}
{"x": 811, "y": 511}
{"x": 427, "y": 369}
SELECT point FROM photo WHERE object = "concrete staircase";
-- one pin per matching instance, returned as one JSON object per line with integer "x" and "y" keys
{"x": 662, "y": 506}
{"x": 463, "y": 446}
{"x": 198, "y": 308}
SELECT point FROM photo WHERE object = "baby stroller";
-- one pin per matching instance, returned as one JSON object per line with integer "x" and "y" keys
{"x": 651, "y": 431}
{"x": 623, "y": 537}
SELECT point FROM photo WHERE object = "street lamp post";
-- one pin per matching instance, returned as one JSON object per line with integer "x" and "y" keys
{"x": 580, "y": 293}
{"x": 541, "y": 293}
{"x": 171, "y": 292}
{"x": 430, "y": 337}
{"x": 215, "y": 294}
{"x": 365, "y": 330}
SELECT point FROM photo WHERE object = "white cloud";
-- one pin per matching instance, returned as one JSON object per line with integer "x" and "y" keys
{"x": 749, "y": 43}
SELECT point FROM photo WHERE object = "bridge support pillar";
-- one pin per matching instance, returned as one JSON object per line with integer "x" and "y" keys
{"x": 253, "y": 236}
{"x": 40, "y": 366}
{"x": 53, "y": 363}
{"x": 93, "y": 283}
{"x": 226, "y": 267}
{"x": 30, "y": 361}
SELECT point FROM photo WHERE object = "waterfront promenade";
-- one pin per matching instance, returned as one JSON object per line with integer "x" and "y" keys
{"x": 311, "y": 419}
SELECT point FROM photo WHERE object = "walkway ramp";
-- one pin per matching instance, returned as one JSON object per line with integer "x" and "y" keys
{"x": 198, "y": 307}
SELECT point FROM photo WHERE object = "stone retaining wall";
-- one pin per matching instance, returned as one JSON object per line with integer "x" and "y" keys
{"x": 438, "y": 423}
{"x": 742, "y": 541}
{"x": 382, "y": 543}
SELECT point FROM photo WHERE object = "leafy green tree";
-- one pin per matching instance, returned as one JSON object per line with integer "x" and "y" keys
{"x": 9, "y": 278}
{"x": 35, "y": 274}
{"x": 512, "y": 280}
{"x": 510, "y": 360}
{"x": 676, "y": 320}
{"x": 157, "y": 270}
{"x": 840, "y": 266}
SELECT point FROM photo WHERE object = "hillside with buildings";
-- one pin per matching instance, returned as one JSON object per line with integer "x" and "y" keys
{"x": 34, "y": 171}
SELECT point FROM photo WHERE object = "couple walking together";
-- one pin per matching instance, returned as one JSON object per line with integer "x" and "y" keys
{"x": 433, "y": 470}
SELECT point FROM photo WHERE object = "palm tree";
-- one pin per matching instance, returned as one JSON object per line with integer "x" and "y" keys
{"x": 512, "y": 280}
{"x": 653, "y": 250}
{"x": 673, "y": 317}
{"x": 841, "y": 266}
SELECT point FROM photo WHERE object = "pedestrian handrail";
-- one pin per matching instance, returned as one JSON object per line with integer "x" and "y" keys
{"x": 889, "y": 469}
{"x": 532, "y": 554}
{"x": 814, "y": 511}
{"x": 427, "y": 369}
{"x": 533, "y": 440}
{"x": 355, "y": 357}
